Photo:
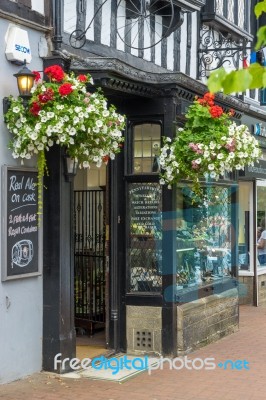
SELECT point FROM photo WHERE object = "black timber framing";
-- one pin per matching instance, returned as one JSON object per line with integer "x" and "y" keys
{"x": 24, "y": 12}
{"x": 169, "y": 310}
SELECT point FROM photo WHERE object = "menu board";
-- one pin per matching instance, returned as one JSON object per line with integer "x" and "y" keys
{"x": 20, "y": 233}
{"x": 145, "y": 208}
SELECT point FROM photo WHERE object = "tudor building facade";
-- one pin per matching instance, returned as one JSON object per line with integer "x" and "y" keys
{"x": 124, "y": 252}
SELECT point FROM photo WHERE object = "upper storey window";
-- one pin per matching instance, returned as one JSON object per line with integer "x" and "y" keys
{"x": 230, "y": 16}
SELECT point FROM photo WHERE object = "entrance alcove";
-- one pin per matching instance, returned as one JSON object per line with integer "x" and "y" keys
{"x": 89, "y": 207}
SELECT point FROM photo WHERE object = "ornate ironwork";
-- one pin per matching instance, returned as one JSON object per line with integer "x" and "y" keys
{"x": 217, "y": 50}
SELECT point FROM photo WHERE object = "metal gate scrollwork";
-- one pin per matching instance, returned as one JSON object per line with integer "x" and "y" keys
{"x": 89, "y": 258}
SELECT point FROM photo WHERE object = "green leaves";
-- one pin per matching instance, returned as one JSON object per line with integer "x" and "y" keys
{"x": 260, "y": 8}
{"x": 238, "y": 81}
{"x": 235, "y": 81}
{"x": 215, "y": 80}
{"x": 261, "y": 38}
{"x": 257, "y": 72}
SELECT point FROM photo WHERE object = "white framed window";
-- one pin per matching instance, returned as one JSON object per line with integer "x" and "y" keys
{"x": 261, "y": 215}
{"x": 246, "y": 229}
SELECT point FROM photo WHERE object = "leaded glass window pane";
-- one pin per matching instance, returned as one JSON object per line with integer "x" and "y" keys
{"x": 146, "y": 147}
{"x": 145, "y": 236}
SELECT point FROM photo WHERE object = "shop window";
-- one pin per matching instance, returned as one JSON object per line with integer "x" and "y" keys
{"x": 146, "y": 148}
{"x": 204, "y": 232}
{"x": 261, "y": 218}
{"x": 145, "y": 238}
{"x": 203, "y": 237}
{"x": 245, "y": 253}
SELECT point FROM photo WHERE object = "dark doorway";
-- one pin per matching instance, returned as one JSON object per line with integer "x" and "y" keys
{"x": 89, "y": 258}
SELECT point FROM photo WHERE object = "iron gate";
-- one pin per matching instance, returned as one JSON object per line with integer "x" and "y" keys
{"x": 89, "y": 258}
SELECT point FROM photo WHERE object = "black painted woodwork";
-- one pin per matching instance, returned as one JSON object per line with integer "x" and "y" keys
{"x": 58, "y": 264}
{"x": 23, "y": 10}
{"x": 58, "y": 258}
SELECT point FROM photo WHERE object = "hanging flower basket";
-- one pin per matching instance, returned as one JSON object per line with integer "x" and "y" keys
{"x": 208, "y": 146}
{"x": 63, "y": 112}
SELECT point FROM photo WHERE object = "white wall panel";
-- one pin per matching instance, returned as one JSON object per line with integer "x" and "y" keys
{"x": 194, "y": 46}
{"x": 70, "y": 16}
{"x": 89, "y": 15}
{"x": 183, "y": 46}
{"x": 170, "y": 52}
{"x": 38, "y": 5}
{"x": 106, "y": 24}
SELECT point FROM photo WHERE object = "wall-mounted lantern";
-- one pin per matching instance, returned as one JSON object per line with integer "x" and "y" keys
{"x": 70, "y": 168}
{"x": 25, "y": 81}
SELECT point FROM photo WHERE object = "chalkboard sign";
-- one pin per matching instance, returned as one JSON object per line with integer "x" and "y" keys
{"x": 20, "y": 233}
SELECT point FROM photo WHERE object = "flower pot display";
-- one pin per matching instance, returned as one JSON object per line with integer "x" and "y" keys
{"x": 209, "y": 146}
{"x": 63, "y": 112}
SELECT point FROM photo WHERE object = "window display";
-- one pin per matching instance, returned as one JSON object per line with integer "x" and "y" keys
{"x": 203, "y": 237}
{"x": 261, "y": 233}
{"x": 245, "y": 256}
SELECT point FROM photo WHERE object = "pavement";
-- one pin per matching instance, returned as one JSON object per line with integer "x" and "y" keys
{"x": 243, "y": 377}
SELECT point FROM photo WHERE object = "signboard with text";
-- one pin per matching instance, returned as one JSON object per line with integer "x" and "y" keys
{"x": 20, "y": 233}
{"x": 258, "y": 170}
{"x": 145, "y": 208}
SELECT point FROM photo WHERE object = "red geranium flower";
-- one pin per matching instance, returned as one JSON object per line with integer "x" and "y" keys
{"x": 55, "y": 73}
{"x": 201, "y": 101}
{"x": 37, "y": 75}
{"x": 65, "y": 89}
{"x": 46, "y": 96}
{"x": 209, "y": 98}
{"x": 231, "y": 112}
{"x": 216, "y": 111}
{"x": 206, "y": 100}
{"x": 35, "y": 109}
{"x": 82, "y": 78}
{"x": 105, "y": 159}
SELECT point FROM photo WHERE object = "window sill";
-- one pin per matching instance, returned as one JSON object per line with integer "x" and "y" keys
{"x": 261, "y": 270}
{"x": 245, "y": 273}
